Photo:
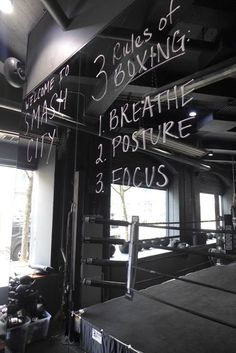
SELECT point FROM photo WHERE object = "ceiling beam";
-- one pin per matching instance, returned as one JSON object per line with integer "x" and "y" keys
{"x": 57, "y": 13}
{"x": 49, "y": 43}
{"x": 204, "y": 77}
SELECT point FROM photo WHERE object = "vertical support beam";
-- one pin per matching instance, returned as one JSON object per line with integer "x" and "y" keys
{"x": 74, "y": 228}
{"x": 133, "y": 256}
{"x": 217, "y": 210}
{"x": 187, "y": 201}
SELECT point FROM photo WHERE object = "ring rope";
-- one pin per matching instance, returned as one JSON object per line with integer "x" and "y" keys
{"x": 121, "y": 223}
{"x": 187, "y": 222}
{"x": 199, "y": 252}
{"x": 170, "y": 254}
{"x": 178, "y": 272}
{"x": 197, "y": 230}
{"x": 193, "y": 267}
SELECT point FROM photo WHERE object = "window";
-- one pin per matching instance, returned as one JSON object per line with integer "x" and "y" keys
{"x": 26, "y": 208}
{"x": 14, "y": 213}
{"x": 207, "y": 211}
{"x": 210, "y": 210}
{"x": 21, "y": 216}
{"x": 42, "y": 212}
{"x": 149, "y": 204}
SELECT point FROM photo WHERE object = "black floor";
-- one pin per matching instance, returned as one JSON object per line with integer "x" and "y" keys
{"x": 56, "y": 341}
{"x": 53, "y": 345}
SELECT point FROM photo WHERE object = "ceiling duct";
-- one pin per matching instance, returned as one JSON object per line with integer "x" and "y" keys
{"x": 208, "y": 76}
{"x": 214, "y": 123}
{"x": 10, "y": 105}
{"x": 57, "y": 13}
{"x": 222, "y": 151}
{"x": 8, "y": 137}
{"x": 172, "y": 145}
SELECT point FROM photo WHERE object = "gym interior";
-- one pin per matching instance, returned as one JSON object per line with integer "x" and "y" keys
{"x": 117, "y": 176}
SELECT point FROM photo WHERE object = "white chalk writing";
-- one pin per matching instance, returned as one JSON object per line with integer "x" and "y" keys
{"x": 137, "y": 56}
{"x": 40, "y": 107}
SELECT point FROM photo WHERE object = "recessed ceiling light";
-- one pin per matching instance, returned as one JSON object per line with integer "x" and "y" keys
{"x": 206, "y": 166}
{"x": 210, "y": 154}
{"x": 192, "y": 114}
{"x": 59, "y": 100}
{"x": 6, "y": 6}
{"x": 160, "y": 150}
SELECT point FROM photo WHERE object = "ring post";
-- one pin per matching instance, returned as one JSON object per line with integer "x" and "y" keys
{"x": 133, "y": 256}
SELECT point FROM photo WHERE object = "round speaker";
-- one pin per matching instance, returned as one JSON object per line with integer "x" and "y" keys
{"x": 14, "y": 72}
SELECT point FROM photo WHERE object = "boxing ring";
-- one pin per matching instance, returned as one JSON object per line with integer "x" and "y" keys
{"x": 195, "y": 313}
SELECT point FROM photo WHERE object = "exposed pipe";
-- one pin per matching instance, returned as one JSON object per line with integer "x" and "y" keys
{"x": 10, "y": 105}
{"x": 57, "y": 13}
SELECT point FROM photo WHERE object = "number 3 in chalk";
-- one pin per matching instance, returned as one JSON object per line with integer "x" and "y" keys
{"x": 99, "y": 183}
{"x": 101, "y": 73}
